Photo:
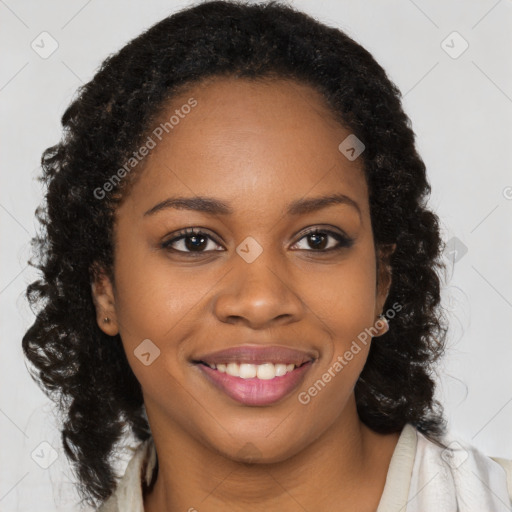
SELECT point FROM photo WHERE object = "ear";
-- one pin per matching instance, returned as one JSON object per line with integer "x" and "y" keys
{"x": 102, "y": 290}
{"x": 384, "y": 276}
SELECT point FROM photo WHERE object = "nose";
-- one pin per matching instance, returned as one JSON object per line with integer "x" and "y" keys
{"x": 260, "y": 294}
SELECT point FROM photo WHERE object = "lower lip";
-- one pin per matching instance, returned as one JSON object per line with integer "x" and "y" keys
{"x": 256, "y": 391}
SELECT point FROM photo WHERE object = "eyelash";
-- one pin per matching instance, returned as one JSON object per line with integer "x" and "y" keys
{"x": 343, "y": 241}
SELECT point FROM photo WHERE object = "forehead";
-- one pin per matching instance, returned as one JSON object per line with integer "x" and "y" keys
{"x": 248, "y": 141}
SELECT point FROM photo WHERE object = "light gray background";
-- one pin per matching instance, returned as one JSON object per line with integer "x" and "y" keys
{"x": 461, "y": 112}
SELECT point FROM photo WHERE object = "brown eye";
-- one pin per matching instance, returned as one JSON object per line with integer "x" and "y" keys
{"x": 195, "y": 242}
{"x": 318, "y": 240}
{"x": 189, "y": 241}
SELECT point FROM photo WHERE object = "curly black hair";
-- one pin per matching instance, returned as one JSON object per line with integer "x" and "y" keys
{"x": 85, "y": 371}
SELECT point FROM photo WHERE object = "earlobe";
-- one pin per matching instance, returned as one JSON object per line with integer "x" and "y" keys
{"x": 381, "y": 325}
{"x": 104, "y": 302}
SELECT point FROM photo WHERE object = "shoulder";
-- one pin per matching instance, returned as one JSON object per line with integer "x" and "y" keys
{"x": 458, "y": 475}
{"x": 506, "y": 464}
{"x": 127, "y": 497}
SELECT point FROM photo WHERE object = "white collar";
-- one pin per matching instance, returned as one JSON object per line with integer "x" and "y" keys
{"x": 420, "y": 478}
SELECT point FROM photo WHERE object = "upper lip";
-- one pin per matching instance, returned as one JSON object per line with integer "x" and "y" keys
{"x": 252, "y": 354}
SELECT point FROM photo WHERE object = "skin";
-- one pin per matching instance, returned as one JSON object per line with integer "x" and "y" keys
{"x": 257, "y": 146}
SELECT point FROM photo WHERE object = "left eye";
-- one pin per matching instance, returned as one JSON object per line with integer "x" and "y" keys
{"x": 318, "y": 237}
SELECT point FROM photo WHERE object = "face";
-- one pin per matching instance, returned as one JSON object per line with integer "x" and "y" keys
{"x": 253, "y": 274}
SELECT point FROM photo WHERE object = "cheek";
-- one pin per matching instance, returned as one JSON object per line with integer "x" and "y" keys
{"x": 345, "y": 297}
{"x": 153, "y": 299}
{"x": 346, "y": 308}
{"x": 156, "y": 308}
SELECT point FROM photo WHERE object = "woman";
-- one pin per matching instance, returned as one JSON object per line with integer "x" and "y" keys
{"x": 239, "y": 268}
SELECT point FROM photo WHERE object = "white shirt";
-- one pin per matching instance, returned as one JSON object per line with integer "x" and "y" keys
{"x": 422, "y": 477}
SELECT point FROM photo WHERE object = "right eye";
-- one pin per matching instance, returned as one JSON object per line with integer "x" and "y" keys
{"x": 190, "y": 240}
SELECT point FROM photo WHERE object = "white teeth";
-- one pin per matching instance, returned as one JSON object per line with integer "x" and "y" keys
{"x": 265, "y": 371}
{"x": 247, "y": 371}
{"x": 281, "y": 369}
{"x": 232, "y": 369}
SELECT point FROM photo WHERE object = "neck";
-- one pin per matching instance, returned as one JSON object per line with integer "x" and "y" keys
{"x": 348, "y": 463}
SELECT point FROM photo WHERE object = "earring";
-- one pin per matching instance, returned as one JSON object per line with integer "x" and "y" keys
{"x": 382, "y": 323}
{"x": 106, "y": 320}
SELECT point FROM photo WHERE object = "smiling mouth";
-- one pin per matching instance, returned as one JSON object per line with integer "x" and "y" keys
{"x": 255, "y": 384}
{"x": 265, "y": 371}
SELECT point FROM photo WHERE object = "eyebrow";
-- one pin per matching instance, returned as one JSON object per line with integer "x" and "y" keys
{"x": 214, "y": 206}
